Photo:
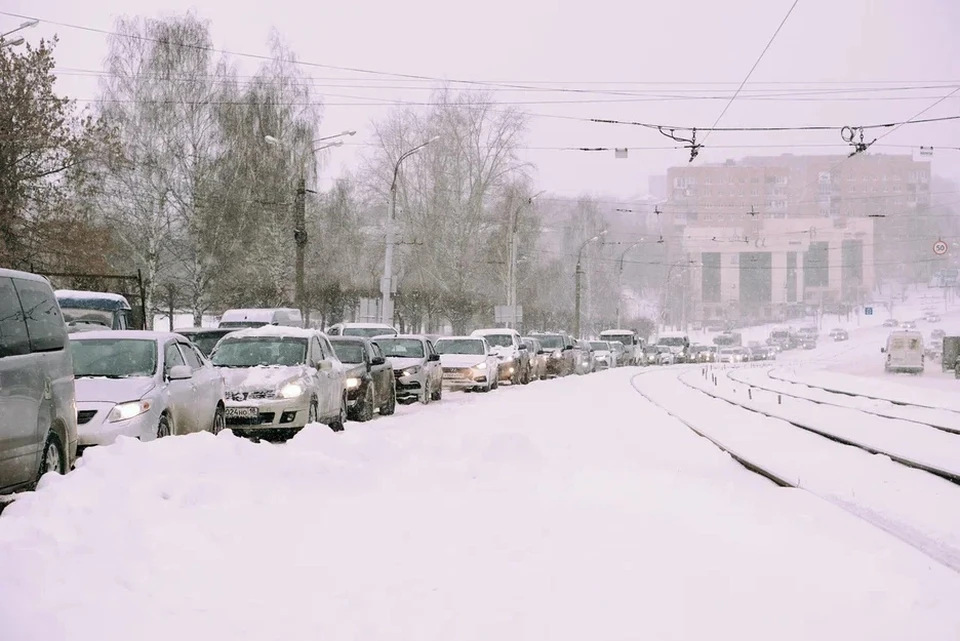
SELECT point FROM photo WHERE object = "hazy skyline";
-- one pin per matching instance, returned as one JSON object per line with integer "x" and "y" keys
{"x": 649, "y": 62}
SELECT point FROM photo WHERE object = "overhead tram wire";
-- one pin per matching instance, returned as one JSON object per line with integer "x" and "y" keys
{"x": 693, "y": 150}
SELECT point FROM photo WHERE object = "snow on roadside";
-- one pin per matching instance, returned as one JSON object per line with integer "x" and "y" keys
{"x": 569, "y": 509}
{"x": 921, "y": 507}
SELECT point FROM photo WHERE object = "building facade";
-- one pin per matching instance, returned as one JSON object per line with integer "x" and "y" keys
{"x": 764, "y": 236}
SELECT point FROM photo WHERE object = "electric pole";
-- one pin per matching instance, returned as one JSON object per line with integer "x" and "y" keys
{"x": 576, "y": 283}
{"x": 300, "y": 238}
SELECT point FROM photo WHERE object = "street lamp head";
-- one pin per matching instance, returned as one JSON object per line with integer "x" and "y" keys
{"x": 348, "y": 132}
{"x": 270, "y": 140}
{"x": 14, "y": 42}
{"x": 26, "y": 24}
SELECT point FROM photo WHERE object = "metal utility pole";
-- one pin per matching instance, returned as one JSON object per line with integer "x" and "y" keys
{"x": 386, "y": 283}
{"x": 300, "y": 221}
{"x": 620, "y": 280}
{"x": 300, "y": 238}
{"x": 512, "y": 269}
{"x": 578, "y": 274}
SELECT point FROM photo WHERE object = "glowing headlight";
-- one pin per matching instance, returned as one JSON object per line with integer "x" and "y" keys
{"x": 413, "y": 370}
{"x": 480, "y": 366}
{"x": 353, "y": 382}
{"x": 125, "y": 411}
{"x": 556, "y": 355}
{"x": 291, "y": 390}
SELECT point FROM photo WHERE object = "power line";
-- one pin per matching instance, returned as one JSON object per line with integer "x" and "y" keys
{"x": 693, "y": 151}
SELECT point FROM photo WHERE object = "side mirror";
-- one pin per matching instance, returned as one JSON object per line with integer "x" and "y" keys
{"x": 433, "y": 358}
{"x": 325, "y": 366}
{"x": 567, "y": 347}
{"x": 491, "y": 353}
{"x": 377, "y": 360}
{"x": 883, "y": 350}
{"x": 180, "y": 373}
{"x": 522, "y": 347}
{"x": 540, "y": 352}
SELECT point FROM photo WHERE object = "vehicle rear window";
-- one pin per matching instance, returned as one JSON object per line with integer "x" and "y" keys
{"x": 14, "y": 340}
{"x": 45, "y": 324}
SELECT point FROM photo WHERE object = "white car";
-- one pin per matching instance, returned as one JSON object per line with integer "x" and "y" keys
{"x": 603, "y": 354}
{"x": 144, "y": 385}
{"x": 416, "y": 366}
{"x": 468, "y": 363}
{"x": 366, "y": 330}
{"x": 511, "y": 351}
{"x": 280, "y": 379}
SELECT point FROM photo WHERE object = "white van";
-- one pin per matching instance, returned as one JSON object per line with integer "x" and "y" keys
{"x": 633, "y": 344}
{"x": 904, "y": 352}
{"x": 258, "y": 317}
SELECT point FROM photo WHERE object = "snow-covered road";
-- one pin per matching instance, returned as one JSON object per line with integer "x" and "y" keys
{"x": 567, "y": 509}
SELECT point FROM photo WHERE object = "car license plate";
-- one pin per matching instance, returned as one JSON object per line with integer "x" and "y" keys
{"x": 242, "y": 412}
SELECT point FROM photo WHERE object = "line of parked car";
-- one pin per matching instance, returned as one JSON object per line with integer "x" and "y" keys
{"x": 73, "y": 377}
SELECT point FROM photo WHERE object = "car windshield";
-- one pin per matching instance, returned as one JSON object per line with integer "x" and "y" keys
{"x": 349, "y": 352}
{"x": 253, "y": 351}
{"x": 623, "y": 339}
{"x": 205, "y": 341}
{"x": 367, "y": 332}
{"x": 597, "y": 345}
{"x": 459, "y": 346}
{"x": 94, "y": 316}
{"x": 401, "y": 347}
{"x": 551, "y": 342}
{"x": 114, "y": 357}
{"x": 499, "y": 340}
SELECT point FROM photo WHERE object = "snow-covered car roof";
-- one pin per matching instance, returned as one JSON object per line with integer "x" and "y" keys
{"x": 365, "y": 326}
{"x": 85, "y": 295}
{"x": 493, "y": 331}
{"x": 116, "y": 334}
{"x": 617, "y": 332}
{"x": 459, "y": 338}
{"x": 419, "y": 337}
{"x": 255, "y": 314}
{"x": 274, "y": 330}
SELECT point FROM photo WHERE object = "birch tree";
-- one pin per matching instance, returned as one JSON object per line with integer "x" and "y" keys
{"x": 451, "y": 196}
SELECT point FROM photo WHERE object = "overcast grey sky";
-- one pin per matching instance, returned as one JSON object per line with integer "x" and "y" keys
{"x": 701, "y": 47}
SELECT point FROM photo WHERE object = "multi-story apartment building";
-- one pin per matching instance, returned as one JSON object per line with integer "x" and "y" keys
{"x": 764, "y": 235}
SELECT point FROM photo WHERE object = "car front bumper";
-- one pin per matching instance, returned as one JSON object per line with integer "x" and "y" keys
{"x": 268, "y": 414}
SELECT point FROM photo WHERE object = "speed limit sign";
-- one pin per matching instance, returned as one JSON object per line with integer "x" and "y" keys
{"x": 939, "y": 248}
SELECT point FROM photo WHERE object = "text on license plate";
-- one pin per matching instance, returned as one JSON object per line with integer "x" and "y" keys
{"x": 242, "y": 412}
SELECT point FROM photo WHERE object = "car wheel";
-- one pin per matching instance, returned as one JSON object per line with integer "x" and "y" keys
{"x": 219, "y": 420}
{"x": 525, "y": 378}
{"x": 365, "y": 412}
{"x": 164, "y": 428}
{"x": 391, "y": 405}
{"x": 438, "y": 395}
{"x": 425, "y": 395}
{"x": 338, "y": 423}
{"x": 313, "y": 413}
{"x": 54, "y": 457}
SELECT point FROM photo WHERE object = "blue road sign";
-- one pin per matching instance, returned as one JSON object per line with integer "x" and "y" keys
{"x": 868, "y": 311}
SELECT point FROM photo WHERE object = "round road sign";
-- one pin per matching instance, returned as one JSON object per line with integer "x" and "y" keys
{"x": 939, "y": 248}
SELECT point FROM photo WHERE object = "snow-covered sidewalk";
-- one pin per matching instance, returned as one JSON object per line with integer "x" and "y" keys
{"x": 570, "y": 509}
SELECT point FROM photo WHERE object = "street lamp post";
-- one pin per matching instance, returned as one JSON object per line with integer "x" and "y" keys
{"x": 26, "y": 24}
{"x": 578, "y": 274}
{"x": 300, "y": 220}
{"x": 620, "y": 279}
{"x": 512, "y": 264}
{"x": 386, "y": 283}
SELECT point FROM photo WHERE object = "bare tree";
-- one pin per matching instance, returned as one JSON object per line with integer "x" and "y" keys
{"x": 451, "y": 196}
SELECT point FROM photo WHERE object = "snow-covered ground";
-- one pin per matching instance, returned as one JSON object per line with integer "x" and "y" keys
{"x": 570, "y": 509}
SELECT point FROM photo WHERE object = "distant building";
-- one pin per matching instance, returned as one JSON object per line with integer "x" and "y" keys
{"x": 765, "y": 236}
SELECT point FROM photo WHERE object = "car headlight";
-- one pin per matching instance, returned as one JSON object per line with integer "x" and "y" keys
{"x": 353, "y": 382}
{"x": 411, "y": 371}
{"x": 556, "y": 355}
{"x": 126, "y": 411}
{"x": 290, "y": 390}
{"x": 480, "y": 366}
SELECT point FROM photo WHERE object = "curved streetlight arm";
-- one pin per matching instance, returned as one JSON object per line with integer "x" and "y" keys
{"x": 404, "y": 156}
{"x": 626, "y": 251}
{"x": 26, "y": 24}
{"x": 587, "y": 242}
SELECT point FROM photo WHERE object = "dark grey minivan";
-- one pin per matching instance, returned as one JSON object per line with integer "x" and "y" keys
{"x": 38, "y": 412}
